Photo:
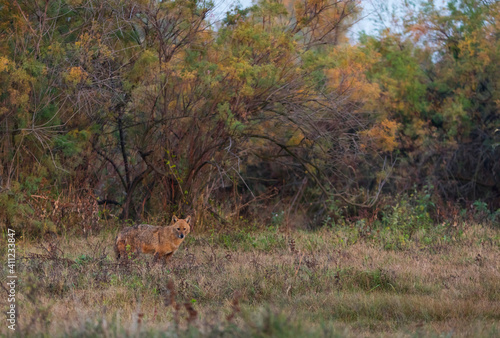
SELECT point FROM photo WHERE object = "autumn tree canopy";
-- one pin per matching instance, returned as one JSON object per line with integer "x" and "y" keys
{"x": 150, "y": 107}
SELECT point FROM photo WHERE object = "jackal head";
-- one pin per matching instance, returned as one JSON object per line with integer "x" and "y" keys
{"x": 181, "y": 226}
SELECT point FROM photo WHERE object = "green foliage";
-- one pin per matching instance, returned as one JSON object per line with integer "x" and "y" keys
{"x": 72, "y": 143}
{"x": 18, "y": 212}
{"x": 436, "y": 72}
{"x": 481, "y": 213}
{"x": 248, "y": 240}
{"x": 83, "y": 260}
{"x": 12, "y": 210}
{"x": 411, "y": 213}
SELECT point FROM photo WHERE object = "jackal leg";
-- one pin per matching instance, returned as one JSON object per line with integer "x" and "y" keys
{"x": 120, "y": 249}
{"x": 168, "y": 256}
{"x": 157, "y": 257}
{"x": 162, "y": 257}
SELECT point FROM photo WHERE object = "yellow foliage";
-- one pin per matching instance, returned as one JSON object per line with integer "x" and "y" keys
{"x": 296, "y": 138}
{"x": 76, "y": 75}
{"x": 4, "y": 63}
{"x": 83, "y": 40}
{"x": 348, "y": 77}
{"x": 17, "y": 81}
{"x": 382, "y": 136}
{"x": 323, "y": 17}
{"x": 75, "y": 2}
{"x": 467, "y": 45}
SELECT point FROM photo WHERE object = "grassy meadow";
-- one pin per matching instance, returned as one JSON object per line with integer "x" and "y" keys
{"x": 334, "y": 282}
{"x": 340, "y": 160}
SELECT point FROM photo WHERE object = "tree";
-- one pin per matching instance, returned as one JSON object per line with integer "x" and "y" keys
{"x": 438, "y": 77}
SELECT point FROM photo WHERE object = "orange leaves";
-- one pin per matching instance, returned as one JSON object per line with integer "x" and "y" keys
{"x": 83, "y": 40}
{"x": 352, "y": 82}
{"x": 382, "y": 136}
{"x": 4, "y": 63}
{"x": 418, "y": 31}
{"x": 323, "y": 21}
{"x": 348, "y": 76}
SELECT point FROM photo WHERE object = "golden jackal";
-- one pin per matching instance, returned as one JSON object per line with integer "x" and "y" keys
{"x": 157, "y": 240}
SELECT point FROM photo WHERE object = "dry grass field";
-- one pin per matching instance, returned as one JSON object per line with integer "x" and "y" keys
{"x": 266, "y": 283}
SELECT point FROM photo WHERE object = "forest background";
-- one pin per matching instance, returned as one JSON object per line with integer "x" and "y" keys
{"x": 133, "y": 111}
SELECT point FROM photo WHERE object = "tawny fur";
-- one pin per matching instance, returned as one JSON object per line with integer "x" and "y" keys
{"x": 160, "y": 241}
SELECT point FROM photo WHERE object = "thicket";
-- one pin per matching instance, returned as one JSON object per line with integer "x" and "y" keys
{"x": 139, "y": 109}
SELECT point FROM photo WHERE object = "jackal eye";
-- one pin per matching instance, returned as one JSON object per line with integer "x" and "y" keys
{"x": 178, "y": 228}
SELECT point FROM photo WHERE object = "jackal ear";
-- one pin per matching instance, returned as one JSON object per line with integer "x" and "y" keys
{"x": 174, "y": 219}
{"x": 188, "y": 220}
